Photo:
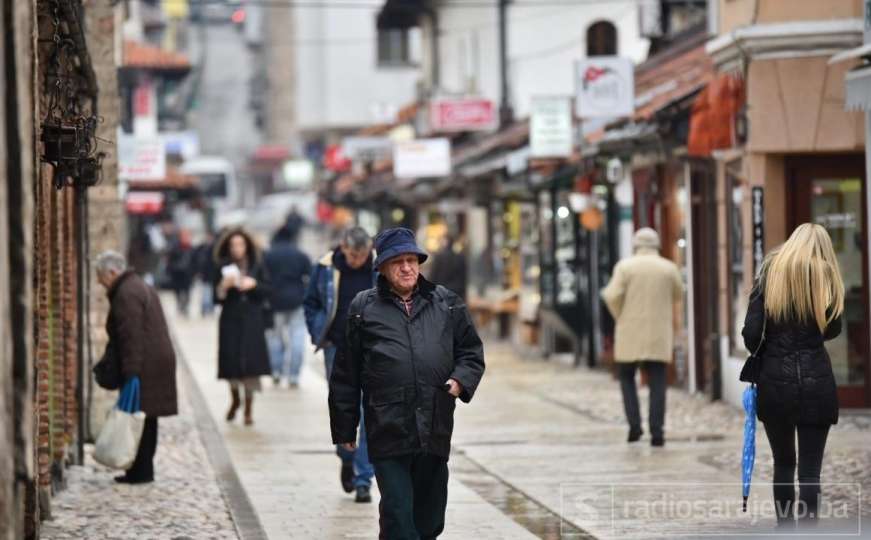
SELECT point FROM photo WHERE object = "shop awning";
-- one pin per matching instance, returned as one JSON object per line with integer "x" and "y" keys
{"x": 400, "y": 14}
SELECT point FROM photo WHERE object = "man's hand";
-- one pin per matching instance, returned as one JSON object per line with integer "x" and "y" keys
{"x": 455, "y": 388}
{"x": 349, "y": 446}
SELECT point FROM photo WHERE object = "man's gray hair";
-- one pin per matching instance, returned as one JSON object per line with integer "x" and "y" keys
{"x": 111, "y": 261}
{"x": 356, "y": 238}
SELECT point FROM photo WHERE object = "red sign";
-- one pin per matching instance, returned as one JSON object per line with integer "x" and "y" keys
{"x": 144, "y": 202}
{"x": 462, "y": 115}
{"x": 334, "y": 160}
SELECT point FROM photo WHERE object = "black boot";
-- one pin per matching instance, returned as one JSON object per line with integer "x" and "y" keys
{"x": 249, "y": 401}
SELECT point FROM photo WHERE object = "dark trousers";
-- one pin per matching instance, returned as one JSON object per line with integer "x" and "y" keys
{"x": 142, "y": 469}
{"x": 414, "y": 496}
{"x": 656, "y": 380}
{"x": 811, "y": 446}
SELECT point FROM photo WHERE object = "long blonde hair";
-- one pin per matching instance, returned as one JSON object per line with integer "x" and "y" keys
{"x": 803, "y": 280}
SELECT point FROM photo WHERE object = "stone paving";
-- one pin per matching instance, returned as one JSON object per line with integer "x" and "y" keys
{"x": 184, "y": 503}
{"x": 540, "y": 453}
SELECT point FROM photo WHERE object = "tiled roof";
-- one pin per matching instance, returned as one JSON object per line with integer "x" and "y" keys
{"x": 679, "y": 73}
{"x": 144, "y": 56}
{"x": 174, "y": 180}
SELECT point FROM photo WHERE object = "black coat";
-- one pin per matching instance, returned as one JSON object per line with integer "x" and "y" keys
{"x": 138, "y": 335}
{"x": 242, "y": 350}
{"x": 401, "y": 363}
{"x": 796, "y": 384}
{"x": 449, "y": 269}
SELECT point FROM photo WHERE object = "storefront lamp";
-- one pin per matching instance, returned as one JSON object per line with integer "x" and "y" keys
{"x": 563, "y": 212}
{"x": 579, "y": 202}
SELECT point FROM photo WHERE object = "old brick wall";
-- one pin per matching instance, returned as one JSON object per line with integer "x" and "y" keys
{"x": 107, "y": 219}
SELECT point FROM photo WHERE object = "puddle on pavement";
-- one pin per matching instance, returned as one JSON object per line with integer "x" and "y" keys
{"x": 532, "y": 516}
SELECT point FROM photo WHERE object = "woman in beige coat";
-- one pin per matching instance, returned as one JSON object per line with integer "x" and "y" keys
{"x": 641, "y": 296}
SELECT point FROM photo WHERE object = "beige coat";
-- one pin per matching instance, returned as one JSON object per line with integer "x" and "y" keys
{"x": 641, "y": 296}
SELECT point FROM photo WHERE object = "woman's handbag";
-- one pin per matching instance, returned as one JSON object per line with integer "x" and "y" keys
{"x": 118, "y": 441}
{"x": 107, "y": 372}
{"x": 753, "y": 365}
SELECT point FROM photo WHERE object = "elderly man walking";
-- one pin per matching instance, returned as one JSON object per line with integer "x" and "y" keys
{"x": 412, "y": 349}
{"x": 641, "y": 296}
{"x": 139, "y": 338}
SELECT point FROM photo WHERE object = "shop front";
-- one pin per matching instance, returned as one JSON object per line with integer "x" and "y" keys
{"x": 795, "y": 168}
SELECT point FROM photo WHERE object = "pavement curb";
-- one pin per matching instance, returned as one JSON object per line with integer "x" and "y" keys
{"x": 242, "y": 512}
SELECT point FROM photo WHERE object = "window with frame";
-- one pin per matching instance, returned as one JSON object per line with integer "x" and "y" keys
{"x": 397, "y": 47}
{"x": 602, "y": 39}
{"x": 736, "y": 191}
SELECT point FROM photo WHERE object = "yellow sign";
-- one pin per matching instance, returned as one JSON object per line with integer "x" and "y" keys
{"x": 175, "y": 9}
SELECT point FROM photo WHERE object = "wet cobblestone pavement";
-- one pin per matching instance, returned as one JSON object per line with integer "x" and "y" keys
{"x": 184, "y": 503}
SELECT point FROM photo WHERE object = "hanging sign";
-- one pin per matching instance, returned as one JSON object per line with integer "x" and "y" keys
{"x": 758, "y": 229}
{"x": 605, "y": 87}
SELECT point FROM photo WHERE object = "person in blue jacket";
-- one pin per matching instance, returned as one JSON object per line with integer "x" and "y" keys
{"x": 335, "y": 280}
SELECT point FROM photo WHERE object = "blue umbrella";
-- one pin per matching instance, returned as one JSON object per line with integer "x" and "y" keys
{"x": 749, "y": 456}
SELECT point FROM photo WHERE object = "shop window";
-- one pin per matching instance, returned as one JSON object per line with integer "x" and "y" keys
{"x": 737, "y": 191}
{"x": 602, "y": 39}
{"x": 398, "y": 47}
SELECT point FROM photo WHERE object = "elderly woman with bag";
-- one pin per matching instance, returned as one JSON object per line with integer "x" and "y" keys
{"x": 794, "y": 308}
{"x": 242, "y": 288}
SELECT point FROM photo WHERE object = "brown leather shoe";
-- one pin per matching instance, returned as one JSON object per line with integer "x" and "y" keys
{"x": 234, "y": 404}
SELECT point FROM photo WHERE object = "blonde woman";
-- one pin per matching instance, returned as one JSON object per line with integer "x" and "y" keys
{"x": 795, "y": 306}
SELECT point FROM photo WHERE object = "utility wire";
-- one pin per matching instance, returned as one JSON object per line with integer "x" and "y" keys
{"x": 346, "y": 4}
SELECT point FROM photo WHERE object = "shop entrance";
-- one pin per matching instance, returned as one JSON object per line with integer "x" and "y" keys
{"x": 830, "y": 191}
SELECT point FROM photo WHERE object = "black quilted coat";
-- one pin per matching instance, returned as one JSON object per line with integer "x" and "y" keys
{"x": 796, "y": 384}
{"x": 401, "y": 361}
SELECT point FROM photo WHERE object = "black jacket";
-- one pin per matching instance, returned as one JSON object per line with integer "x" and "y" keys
{"x": 289, "y": 269}
{"x": 796, "y": 383}
{"x": 449, "y": 269}
{"x": 401, "y": 363}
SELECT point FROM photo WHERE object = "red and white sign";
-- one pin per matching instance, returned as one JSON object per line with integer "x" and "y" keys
{"x": 462, "y": 115}
{"x": 141, "y": 158}
{"x": 144, "y": 202}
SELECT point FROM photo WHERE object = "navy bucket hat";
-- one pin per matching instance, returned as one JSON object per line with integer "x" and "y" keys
{"x": 394, "y": 242}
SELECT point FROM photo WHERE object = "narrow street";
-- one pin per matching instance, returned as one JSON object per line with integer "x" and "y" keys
{"x": 540, "y": 453}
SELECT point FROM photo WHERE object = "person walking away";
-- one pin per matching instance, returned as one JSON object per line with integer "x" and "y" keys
{"x": 289, "y": 269}
{"x": 449, "y": 267}
{"x": 204, "y": 266}
{"x": 180, "y": 266}
{"x": 795, "y": 306}
{"x": 412, "y": 349}
{"x": 641, "y": 296}
{"x": 336, "y": 279}
{"x": 242, "y": 288}
{"x": 139, "y": 336}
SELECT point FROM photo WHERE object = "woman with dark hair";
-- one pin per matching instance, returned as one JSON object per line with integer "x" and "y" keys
{"x": 242, "y": 287}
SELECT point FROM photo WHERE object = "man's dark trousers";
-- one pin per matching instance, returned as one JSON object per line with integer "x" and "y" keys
{"x": 414, "y": 496}
{"x": 142, "y": 469}
{"x": 656, "y": 380}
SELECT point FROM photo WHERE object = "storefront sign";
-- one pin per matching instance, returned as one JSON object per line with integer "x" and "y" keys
{"x": 298, "y": 173}
{"x": 422, "y": 158}
{"x": 758, "y": 229}
{"x": 141, "y": 159}
{"x": 446, "y": 115}
{"x": 146, "y": 203}
{"x": 550, "y": 129}
{"x": 605, "y": 87}
{"x": 367, "y": 148}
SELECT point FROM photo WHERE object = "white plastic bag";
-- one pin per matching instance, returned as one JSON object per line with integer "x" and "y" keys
{"x": 118, "y": 441}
